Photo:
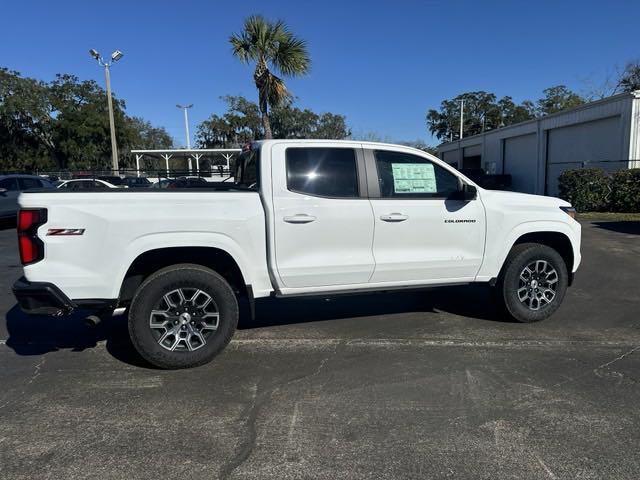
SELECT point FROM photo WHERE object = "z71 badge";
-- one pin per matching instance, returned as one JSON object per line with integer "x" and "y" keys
{"x": 65, "y": 231}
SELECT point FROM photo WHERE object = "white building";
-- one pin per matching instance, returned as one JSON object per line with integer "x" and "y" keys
{"x": 602, "y": 134}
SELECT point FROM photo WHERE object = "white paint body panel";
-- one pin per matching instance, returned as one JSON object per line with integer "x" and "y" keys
{"x": 424, "y": 247}
{"x": 121, "y": 225}
{"x": 333, "y": 248}
{"x": 345, "y": 248}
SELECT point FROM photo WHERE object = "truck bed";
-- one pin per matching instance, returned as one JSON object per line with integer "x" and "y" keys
{"x": 118, "y": 225}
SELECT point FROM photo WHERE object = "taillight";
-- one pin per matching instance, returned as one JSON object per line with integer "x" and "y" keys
{"x": 31, "y": 247}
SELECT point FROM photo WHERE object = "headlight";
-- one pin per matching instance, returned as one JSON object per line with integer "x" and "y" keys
{"x": 569, "y": 211}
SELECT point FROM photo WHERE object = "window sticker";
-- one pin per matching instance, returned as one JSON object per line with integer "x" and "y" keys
{"x": 413, "y": 178}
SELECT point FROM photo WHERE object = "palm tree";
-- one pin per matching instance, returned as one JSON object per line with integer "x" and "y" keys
{"x": 273, "y": 48}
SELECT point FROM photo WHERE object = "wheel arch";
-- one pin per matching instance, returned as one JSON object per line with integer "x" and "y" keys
{"x": 154, "y": 259}
{"x": 555, "y": 239}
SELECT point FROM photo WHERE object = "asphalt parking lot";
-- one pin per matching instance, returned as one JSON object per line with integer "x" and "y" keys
{"x": 403, "y": 385}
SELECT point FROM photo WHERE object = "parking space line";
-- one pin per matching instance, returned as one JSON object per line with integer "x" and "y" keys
{"x": 419, "y": 342}
{"x": 409, "y": 342}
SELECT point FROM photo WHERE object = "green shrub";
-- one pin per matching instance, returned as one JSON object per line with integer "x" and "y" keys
{"x": 588, "y": 189}
{"x": 625, "y": 195}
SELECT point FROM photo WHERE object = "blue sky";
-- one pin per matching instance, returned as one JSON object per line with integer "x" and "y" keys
{"x": 380, "y": 63}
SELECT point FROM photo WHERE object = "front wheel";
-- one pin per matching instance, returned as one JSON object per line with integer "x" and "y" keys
{"x": 182, "y": 316}
{"x": 533, "y": 282}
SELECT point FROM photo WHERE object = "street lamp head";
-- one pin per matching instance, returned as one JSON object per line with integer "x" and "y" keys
{"x": 94, "y": 53}
{"x": 117, "y": 55}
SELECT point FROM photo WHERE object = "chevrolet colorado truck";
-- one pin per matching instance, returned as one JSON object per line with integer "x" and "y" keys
{"x": 300, "y": 217}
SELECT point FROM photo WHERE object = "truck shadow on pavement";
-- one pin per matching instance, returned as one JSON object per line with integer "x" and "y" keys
{"x": 467, "y": 301}
{"x": 39, "y": 335}
{"x": 628, "y": 227}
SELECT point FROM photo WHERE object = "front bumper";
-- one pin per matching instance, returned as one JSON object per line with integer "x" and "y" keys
{"x": 41, "y": 298}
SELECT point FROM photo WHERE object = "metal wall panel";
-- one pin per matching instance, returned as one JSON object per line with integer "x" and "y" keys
{"x": 452, "y": 157}
{"x": 596, "y": 143}
{"x": 473, "y": 150}
{"x": 521, "y": 161}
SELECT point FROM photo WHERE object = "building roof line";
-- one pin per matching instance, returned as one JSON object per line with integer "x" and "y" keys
{"x": 635, "y": 94}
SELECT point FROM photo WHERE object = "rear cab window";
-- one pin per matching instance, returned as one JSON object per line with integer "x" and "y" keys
{"x": 247, "y": 169}
{"x": 324, "y": 172}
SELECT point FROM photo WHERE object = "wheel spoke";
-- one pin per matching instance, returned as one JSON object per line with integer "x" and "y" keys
{"x": 523, "y": 293}
{"x": 206, "y": 299}
{"x": 528, "y": 271}
{"x": 534, "y": 304}
{"x": 181, "y": 295}
{"x": 199, "y": 336}
{"x": 168, "y": 301}
{"x": 154, "y": 323}
{"x": 166, "y": 335}
{"x": 175, "y": 343}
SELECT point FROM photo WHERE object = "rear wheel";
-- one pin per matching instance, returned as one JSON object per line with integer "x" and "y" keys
{"x": 533, "y": 282}
{"x": 182, "y": 316}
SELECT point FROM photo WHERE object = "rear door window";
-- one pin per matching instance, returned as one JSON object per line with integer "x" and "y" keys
{"x": 324, "y": 172}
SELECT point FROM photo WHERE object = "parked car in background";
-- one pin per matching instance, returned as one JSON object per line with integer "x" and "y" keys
{"x": 50, "y": 178}
{"x": 113, "y": 180}
{"x": 85, "y": 184}
{"x": 187, "y": 182}
{"x": 162, "y": 183}
{"x": 181, "y": 182}
{"x": 137, "y": 182}
{"x": 10, "y": 188}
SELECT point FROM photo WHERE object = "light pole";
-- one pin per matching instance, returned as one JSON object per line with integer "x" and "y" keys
{"x": 461, "y": 118}
{"x": 185, "y": 108}
{"x": 186, "y": 122}
{"x": 115, "y": 56}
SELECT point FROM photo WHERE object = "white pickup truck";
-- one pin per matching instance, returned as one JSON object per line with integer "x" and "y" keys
{"x": 301, "y": 217}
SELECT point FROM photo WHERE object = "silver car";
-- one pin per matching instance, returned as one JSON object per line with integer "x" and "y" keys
{"x": 10, "y": 188}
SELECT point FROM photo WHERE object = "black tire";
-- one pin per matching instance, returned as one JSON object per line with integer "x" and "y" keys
{"x": 509, "y": 283}
{"x": 186, "y": 278}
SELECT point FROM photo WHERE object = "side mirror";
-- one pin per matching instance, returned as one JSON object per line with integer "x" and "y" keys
{"x": 469, "y": 192}
{"x": 3, "y": 191}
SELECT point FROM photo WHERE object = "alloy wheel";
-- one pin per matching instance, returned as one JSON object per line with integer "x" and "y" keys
{"x": 538, "y": 284}
{"x": 184, "y": 319}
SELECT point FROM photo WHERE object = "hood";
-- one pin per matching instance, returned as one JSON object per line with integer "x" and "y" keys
{"x": 524, "y": 199}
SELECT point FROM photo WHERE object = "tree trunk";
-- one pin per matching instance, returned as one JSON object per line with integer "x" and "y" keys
{"x": 266, "y": 124}
{"x": 261, "y": 78}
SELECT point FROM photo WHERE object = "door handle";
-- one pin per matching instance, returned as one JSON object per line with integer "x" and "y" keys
{"x": 394, "y": 217}
{"x": 299, "y": 218}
